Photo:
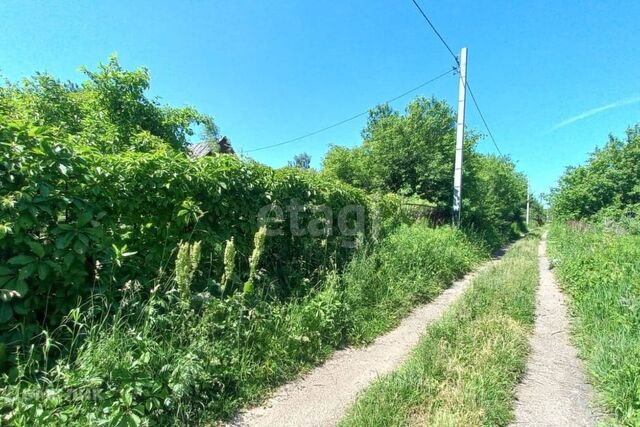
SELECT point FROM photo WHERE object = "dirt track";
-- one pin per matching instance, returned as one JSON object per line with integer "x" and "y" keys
{"x": 554, "y": 391}
{"x": 321, "y": 397}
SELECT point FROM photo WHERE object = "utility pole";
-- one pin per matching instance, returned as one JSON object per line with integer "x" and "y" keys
{"x": 457, "y": 172}
{"x": 527, "y": 202}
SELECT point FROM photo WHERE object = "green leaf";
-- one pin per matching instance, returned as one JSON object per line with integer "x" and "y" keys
{"x": 84, "y": 219}
{"x": 79, "y": 248}
{"x": 36, "y": 248}
{"x": 68, "y": 259}
{"x": 6, "y": 312}
{"x": 19, "y": 308}
{"x": 22, "y": 260}
{"x": 5, "y": 279}
{"x": 127, "y": 397}
{"x": 83, "y": 238}
{"x": 64, "y": 240}
{"x": 27, "y": 271}
{"x": 43, "y": 271}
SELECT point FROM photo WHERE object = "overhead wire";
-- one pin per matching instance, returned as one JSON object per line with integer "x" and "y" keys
{"x": 475, "y": 102}
{"x": 424, "y": 15}
{"x": 457, "y": 60}
{"x": 341, "y": 122}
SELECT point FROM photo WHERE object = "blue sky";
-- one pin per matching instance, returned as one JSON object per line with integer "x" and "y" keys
{"x": 553, "y": 78}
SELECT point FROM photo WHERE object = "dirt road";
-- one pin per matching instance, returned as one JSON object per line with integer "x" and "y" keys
{"x": 322, "y": 397}
{"x": 554, "y": 391}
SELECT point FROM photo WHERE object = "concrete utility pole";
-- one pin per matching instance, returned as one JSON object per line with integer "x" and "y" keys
{"x": 527, "y": 202}
{"x": 457, "y": 172}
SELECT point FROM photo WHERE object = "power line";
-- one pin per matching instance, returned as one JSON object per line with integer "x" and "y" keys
{"x": 424, "y": 15}
{"x": 455, "y": 57}
{"x": 289, "y": 141}
{"x": 482, "y": 117}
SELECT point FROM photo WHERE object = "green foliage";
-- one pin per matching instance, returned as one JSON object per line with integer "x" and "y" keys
{"x": 413, "y": 154}
{"x": 95, "y": 191}
{"x": 97, "y": 200}
{"x": 466, "y": 367}
{"x": 600, "y": 270}
{"x": 187, "y": 262}
{"x": 254, "y": 259}
{"x": 109, "y": 111}
{"x": 160, "y": 362}
{"x": 608, "y": 185}
{"x": 69, "y": 212}
{"x": 411, "y": 266}
{"x": 407, "y": 154}
{"x": 493, "y": 198}
{"x": 302, "y": 161}
{"x": 229, "y": 261}
{"x": 538, "y": 213}
{"x": 596, "y": 255}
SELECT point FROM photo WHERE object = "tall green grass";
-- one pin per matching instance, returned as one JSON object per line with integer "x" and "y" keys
{"x": 413, "y": 265}
{"x": 175, "y": 358}
{"x": 600, "y": 270}
{"x": 466, "y": 367}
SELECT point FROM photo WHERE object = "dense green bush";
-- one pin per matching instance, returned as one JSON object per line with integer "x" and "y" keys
{"x": 79, "y": 222}
{"x": 109, "y": 111}
{"x": 600, "y": 270}
{"x": 607, "y": 186}
{"x": 96, "y": 191}
{"x": 163, "y": 362}
{"x": 493, "y": 199}
{"x": 410, "y": 154}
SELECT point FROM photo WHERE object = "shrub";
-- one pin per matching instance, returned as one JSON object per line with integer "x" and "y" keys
{"x": 78, "y": 222}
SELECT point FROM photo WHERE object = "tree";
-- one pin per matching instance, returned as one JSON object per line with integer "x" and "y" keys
{"x": 302, "y": 161}
{"x": 494, "y": 196}
{"x": 413, "y": 154}
{"x": 410, "y": 153}
{"x": 109, "y": 111}
{"x": 348, "y": 165}
{"x": 607, "y": 185}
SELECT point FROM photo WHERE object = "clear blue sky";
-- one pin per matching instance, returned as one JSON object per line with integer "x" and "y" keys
{"x": 273, "y": 70}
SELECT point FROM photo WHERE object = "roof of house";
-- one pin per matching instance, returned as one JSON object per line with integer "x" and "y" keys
{"x": 206, "y": 148}
{"x": 200, "y": 149}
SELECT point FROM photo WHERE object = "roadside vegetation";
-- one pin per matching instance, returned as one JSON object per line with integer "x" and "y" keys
{"x": 600, "y": 270}
{"x": 140, "y": 286}
{"x": 465, "y": 369}
{"x": 595, "y": 251}
{"x": 167, "y": 360}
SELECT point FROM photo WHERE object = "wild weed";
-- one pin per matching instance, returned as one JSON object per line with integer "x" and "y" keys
{"x": 187, "y": 262}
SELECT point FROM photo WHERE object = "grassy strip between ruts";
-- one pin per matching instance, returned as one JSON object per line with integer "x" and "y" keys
{"x": 600, "y": 271}
{"x": 466, "y": 367}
